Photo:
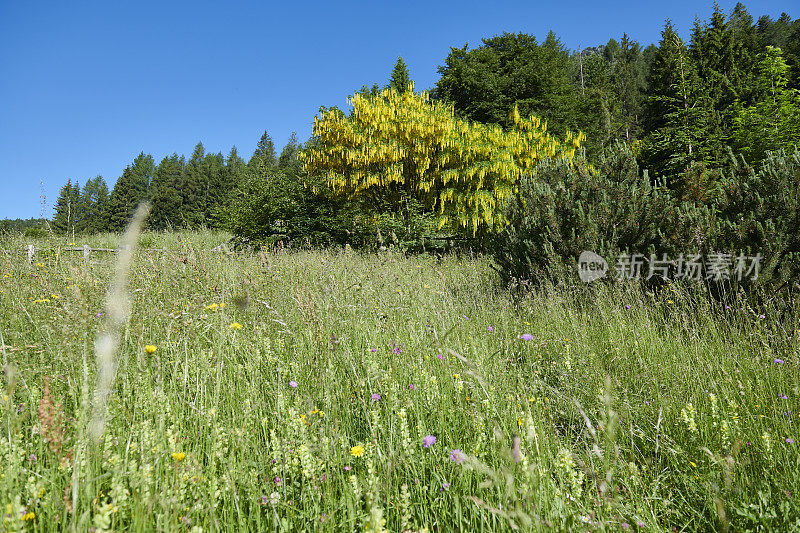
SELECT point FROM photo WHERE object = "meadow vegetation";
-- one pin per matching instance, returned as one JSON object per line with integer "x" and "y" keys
{"x": 346, "y": 390}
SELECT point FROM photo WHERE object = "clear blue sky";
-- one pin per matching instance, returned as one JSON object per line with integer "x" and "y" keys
{"x": 86, "y": 86}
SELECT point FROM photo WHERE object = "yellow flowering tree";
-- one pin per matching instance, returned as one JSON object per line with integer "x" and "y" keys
{"x": 403, "y": 144}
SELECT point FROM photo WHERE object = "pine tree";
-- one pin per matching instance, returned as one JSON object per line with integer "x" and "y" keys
{"x": 165, "y": 193}
{"x": 400, "y": 78}
{"x": 193, "y": 188}
{"x": 264, "y": 158}
{"x": 677, "y": 110}
{"x": 288, "y": 162}
{"x": 773, "y": 122}
{"x": 66, "y": 208}
{"x": 94, "y": 198}
{"x": 131, "y": 188}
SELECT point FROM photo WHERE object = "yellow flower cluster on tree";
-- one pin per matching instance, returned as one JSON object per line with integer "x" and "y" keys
{"x": 464, "y": 171}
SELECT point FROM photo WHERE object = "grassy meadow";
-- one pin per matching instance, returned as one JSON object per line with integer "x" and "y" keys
{"x": 347, "y": 391}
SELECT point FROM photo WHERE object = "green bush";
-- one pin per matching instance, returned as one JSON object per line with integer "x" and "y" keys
{"x": 760, "y": 213}
{"x": 564, "y": 209}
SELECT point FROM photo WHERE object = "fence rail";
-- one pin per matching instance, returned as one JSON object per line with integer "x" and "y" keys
{"x": 87, "y": 251}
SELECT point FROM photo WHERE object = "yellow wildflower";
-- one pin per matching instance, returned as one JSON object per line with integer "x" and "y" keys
{"x": 357, "y": 451}
{"x": 179, "y": 456}
{"x": 235, "y": 325}
{"x": 150, "y": 348}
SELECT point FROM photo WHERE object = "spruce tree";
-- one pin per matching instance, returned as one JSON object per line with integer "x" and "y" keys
{"x": 165, "y": 193}
{"x": 193, "y": 188}
{"x": 288, "y": 162}
{"x": 94, "y": 198}
{"x": 677, "y": 111}
{"x": 400, "y": 77}
{"x": 66, "y": 208}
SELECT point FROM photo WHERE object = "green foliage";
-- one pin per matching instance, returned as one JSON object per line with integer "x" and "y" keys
{"x": 131, "y": 189}
{"x": 94, "y": 206}
{"x": 507, "y": 70}
{"x": 29, "y": 226}
{"x": 773, "y": 121}
{"x": 760, "y": 213}
{"x": 67, "y": 208}
{"x": 167, "y": 201}
{"x": 400, "y": 78}
{"x": 564, "y": 209}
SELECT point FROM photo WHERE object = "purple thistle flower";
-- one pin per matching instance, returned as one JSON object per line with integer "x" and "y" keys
{"x": 428, "y": 441}
{"x": 457, "y": 456}
{"x": 376, "y": 397}
{"x": 526, "y": 337}
{"x": 293, "y": 384}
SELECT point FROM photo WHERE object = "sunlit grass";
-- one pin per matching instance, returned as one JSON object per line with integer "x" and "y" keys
{"x": 290, "y": 391}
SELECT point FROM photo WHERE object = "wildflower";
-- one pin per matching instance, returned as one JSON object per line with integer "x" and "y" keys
{"x": 790, "y": 440}
{"x": 491, "y": 329}
{"x": 783, "y": 397}
{"x": 150, "y": 348}
{"x": 376, "y": 397}
{"x": 428, "y": 441}
{"x": 28, "y": 516}
{"x": 293, "y": 384}
{"x": 412, "y": 387}
{"x": 179, "y": 456}
{"x": 357, "y": 451}
{"x": 212, "y": 307}
{"x": 397, "y": 350}
{"x": 627, "y": 306}
{"x": 235, "y": 325}
{"x": 373, "y": 349}
{"x": 274, "y": 498}
{"x": 440, "y": 356}
{"x": 348, "y": 468}
{"x": 264, "y": 500}
{"x": 526, "y": 337}
{"x": 780, "y": 361}
{"x": 457, "y": 456}
{"x": 99, "y": 315}
{"x": 445, "y": 486}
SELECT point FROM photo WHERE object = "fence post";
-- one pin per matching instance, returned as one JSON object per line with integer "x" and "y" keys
{"x": 86, "y": 253}
{"x": 31, "y": 253}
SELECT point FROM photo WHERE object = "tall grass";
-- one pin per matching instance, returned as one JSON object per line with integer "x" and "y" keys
{"x": 292, "y": 391}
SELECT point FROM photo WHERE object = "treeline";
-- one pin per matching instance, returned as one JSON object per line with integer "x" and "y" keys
{"x": 733, "y": 84}
{"x": 200, "y": 191}
{"x": 21, "y": 225}
{"x": 677, "y": 106}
